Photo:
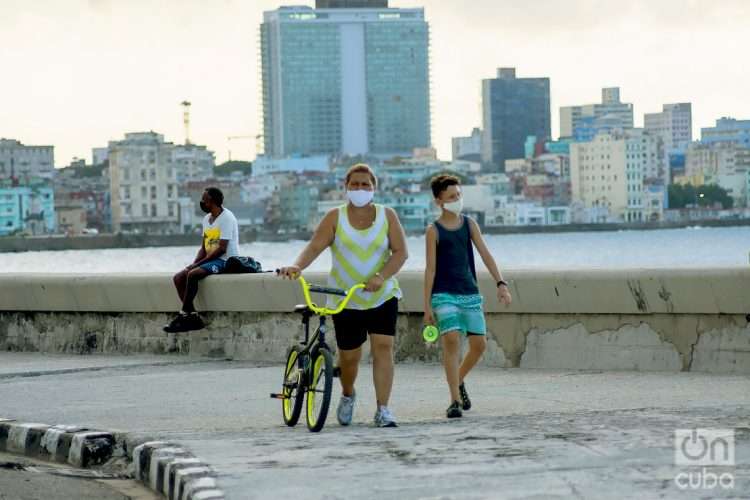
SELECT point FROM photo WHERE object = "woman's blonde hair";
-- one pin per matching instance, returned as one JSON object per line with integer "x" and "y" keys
{"x": 361, "y": 168}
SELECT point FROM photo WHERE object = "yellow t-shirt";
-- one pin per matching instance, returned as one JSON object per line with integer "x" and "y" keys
{"x": 211, "y": 237}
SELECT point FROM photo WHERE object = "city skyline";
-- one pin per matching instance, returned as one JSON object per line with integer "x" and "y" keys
{"x": 78, "y": 75}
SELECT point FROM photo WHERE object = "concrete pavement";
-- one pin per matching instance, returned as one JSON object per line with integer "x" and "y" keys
{"x": 27, "y": 479}
{"x": 531, "y": 434}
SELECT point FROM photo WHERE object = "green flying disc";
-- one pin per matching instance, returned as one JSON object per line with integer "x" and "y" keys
{"x": 430, "y": 333}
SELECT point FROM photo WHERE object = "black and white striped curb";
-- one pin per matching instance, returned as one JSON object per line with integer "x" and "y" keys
{"x": 169, "y": 469}
{"x": 77, "y": 446}
{"x": 164, "y": 467}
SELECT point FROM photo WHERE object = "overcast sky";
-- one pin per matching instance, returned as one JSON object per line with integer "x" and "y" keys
{"x": 77, "y": 73}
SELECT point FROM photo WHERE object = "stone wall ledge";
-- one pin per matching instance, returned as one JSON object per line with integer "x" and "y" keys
{"x": 594, "y": 291}
{"x": 649, "y": 320}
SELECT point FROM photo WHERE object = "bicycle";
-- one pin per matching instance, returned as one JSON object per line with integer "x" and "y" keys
{"x": 309, "y": 365}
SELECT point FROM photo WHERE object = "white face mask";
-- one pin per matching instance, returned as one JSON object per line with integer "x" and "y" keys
{"x": 454, "y": 206}
{"x": 360, "y": 198}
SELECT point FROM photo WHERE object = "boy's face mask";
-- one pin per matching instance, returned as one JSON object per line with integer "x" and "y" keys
{"x": 454, "y": 206}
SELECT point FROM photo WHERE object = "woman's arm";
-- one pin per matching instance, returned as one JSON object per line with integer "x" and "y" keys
{"x": 399, "y": 253}
{"x": 429, "y": 272}
{"x": 322, "y": 239}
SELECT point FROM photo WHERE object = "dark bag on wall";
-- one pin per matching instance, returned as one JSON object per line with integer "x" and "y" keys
{"x": 243, "y": 265}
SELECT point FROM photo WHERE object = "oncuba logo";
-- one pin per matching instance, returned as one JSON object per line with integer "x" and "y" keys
{"x": 702, "y": 450}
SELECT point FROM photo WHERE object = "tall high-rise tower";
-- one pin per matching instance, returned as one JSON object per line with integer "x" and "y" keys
{"x": 350, "y": 77}
{"x": 512, "y": 109}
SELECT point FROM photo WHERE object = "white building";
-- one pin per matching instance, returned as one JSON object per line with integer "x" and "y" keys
{"x": 557, "y": 165}
{"x": 557, "y": 216}
{"x": 530, "y": 214}
{"x": 650, "y": 152}
{"x": 188, "y": 219}
{"x": 724, "y": 164}
{"x": 18, "y": 160}
{"x": 552, "y": 164}
{"x": 463, "y": 167}
{"x": 611, "y": 172}
{"x": 515, "y": 211}
{"x": 192, "y": 162}
{"x": 711, "y": 160}
{"x": 611, "y": 110}
{"x": 674, "y": 125}
{"x": 266, "y": 165}
{"x": 518, "y": 166}
{"x": 736, "y": 185}
{"x": 499, "y": 183}
{"x": 477, "y": 198}
{"x": 143, "y": 184}
{"x": 259, "y": 188}
{"x": 468, "y": 147}
{"x": 653, "y": 202}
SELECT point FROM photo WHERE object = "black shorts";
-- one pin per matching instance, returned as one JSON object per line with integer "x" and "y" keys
{"x": 353, "y": 325}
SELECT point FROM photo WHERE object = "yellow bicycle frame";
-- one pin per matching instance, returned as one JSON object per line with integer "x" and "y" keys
{"x": 324, "y": 311}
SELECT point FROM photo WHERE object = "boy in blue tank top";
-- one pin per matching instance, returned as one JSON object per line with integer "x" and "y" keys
{"x": 451, "y": 295}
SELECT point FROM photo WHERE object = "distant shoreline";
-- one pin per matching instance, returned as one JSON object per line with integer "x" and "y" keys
{"x": 103, "y": 241}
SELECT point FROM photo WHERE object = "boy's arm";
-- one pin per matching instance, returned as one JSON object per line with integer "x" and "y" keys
{"x": 429, "y": 271}
{"x": 484, "y": 252}
{"x": 503, "y": 292}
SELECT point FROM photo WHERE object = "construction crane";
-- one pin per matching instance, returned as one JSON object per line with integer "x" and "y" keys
{"x": 186, "y": 120}
{"x": 245, "y": 137}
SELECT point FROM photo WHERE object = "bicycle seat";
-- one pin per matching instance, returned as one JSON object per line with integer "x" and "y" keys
{"x": 302, "y": 309}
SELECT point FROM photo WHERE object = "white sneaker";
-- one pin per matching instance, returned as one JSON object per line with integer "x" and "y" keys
{"x": 345, "y": 411}
{"x": 384, "y": 417}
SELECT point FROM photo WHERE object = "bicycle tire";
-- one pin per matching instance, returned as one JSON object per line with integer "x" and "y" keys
{"x": 319, "y": 394}
{"x": 291, "y": 405}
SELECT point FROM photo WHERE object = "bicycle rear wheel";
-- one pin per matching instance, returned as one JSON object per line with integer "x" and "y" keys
{"x": 293, "y": 392}
{"x": 319, "y": 389}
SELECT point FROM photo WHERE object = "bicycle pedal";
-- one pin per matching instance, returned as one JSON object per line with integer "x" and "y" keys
{"x": 336, "y": 371}
{"x": 278, "y": 396}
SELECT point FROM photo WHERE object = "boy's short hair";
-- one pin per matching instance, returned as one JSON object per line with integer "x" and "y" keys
{"x": 216, "y": 195}
{"x": 361, "y": 168}
{"x": 440, "y": 183}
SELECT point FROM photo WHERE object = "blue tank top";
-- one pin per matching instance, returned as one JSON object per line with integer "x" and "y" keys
{"x": 454, "y": 267}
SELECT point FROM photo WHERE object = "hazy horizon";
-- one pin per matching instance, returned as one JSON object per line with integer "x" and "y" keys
{"x": 79, "y": 73}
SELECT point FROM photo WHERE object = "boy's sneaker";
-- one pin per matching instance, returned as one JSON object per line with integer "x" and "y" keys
{"x": 345, "y": 411}
{"x": 465, "y": 401}
{"x": 453, "y": 411}
{"x": 178, "y": 324}
{"x": 384, "y": 417}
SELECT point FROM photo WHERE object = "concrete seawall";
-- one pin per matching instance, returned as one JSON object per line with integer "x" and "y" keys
{"x": 673, "y": 320}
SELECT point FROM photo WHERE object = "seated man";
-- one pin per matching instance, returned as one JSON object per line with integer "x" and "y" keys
{"x": 220, "y": 241}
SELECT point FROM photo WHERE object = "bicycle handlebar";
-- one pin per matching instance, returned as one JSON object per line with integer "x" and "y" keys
{"x": 324, "y": 311}
{"x": 329, "y": 291}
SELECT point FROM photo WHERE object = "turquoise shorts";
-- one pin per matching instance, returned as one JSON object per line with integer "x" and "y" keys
{"x": 459, "y": 313}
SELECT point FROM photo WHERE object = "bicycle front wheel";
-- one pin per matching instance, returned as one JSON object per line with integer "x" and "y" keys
{"x": 319, "y": 389}
{"x": 293, "y": 392}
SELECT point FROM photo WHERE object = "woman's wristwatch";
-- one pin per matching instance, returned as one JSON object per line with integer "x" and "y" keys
{"x": 502, "y": 282}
